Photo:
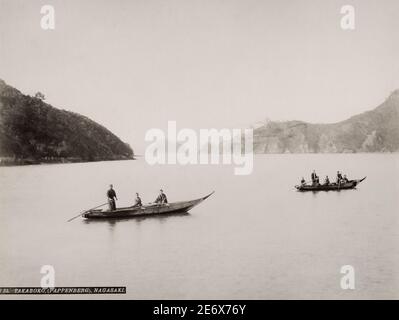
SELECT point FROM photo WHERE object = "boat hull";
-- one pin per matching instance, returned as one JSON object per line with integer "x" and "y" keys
{"x": 146, "y": 210}
{"x": 331, "y": 187}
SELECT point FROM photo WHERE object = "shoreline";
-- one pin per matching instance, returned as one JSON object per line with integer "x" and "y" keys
{"x": 30, "y": 162}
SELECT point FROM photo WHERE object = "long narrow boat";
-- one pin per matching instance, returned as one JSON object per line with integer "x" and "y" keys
{"x": 146, "y": 210}
{"x": 330, "y": 187}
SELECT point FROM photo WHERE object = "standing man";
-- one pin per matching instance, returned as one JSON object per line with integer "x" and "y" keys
{"x": 313, "y": 176}
{"x": 111, "y": 194}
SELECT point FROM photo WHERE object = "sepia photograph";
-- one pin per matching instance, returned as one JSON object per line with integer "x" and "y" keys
{"x": 213, "y": 150}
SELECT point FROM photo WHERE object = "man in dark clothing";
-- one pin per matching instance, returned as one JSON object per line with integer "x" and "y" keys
{"x": 339, "y": 177}
{"x": 111, "y": 194}
{"x": 313, "y": 176}
{"x": 161, "y": 198}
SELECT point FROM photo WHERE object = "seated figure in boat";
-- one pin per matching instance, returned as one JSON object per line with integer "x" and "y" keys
{"x": 303, "y": 182}
{"x": 137, "y": 201}
{"x": 345, "y": 179}
{"x": 161, "y": 199}
{"x": 326, "y": 181}
{"x": 315, "y": 179}
{"x": 339, "y": 177}
{"x": 111, "y": 195}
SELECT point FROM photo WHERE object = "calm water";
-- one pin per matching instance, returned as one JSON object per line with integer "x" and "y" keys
{"x": 255, "y": 238}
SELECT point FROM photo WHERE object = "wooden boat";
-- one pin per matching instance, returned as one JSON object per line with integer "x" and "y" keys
{"x": 146, "y": 210}
{"x": 351, "y": 184}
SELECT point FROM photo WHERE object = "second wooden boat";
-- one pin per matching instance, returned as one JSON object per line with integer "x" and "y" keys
{"x": 330, "y": 187}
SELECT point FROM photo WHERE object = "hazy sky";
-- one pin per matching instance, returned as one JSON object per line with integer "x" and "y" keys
{"x": 134, "y": 65}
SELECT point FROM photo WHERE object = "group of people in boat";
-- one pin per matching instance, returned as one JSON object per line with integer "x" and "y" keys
{"x": 341, "y": 179}
{"x": 111, "y": 195}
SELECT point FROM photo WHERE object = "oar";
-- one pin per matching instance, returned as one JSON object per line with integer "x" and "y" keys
{"x": 86, "y": 211}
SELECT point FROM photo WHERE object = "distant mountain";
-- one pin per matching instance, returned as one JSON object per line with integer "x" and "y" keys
{"x": 372, "y": 131}
{"x": 32, "y": 131}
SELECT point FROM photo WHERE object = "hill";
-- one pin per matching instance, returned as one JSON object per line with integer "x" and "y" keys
{"x": 372, "y": 131}
{"x": 32, "y": 131}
